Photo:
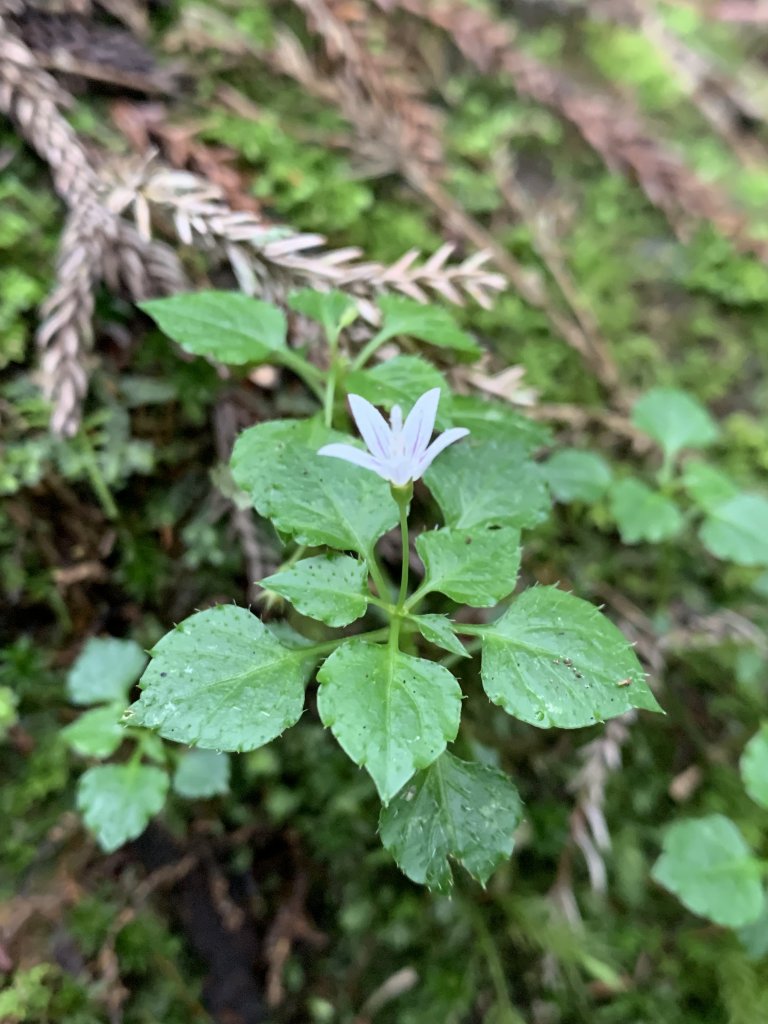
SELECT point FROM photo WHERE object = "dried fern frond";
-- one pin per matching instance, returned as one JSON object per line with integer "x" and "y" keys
{"x": 377, "y": 95}
{"x": 66, "y": 331}
{"x": 611, "y": 127}
{"x": 94, "y": 243}
{"x": 196, "y": 211}
{"x": 589, "y": 830}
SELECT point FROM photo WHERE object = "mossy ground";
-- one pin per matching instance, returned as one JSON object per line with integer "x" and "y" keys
{"x": 693, "y": 315}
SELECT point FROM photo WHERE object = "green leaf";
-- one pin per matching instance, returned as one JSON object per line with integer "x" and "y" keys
{"x": 575, "y": 475}
{"x": 96, "y": 733}
{"x": 455, "y": 810}
{"x": 316, "y": 499}
{"x": 754, "y": 767}
{"x": 118, "y": 800}
{"x": 201, "y": 774}
{"x": 334, "y": 310}
{"x": 332, "y": 588}
{"x": 227, "y": 326}
{"x": 754, "y": 936}
{"x": 488, "y": 420}
{"x": 392, "y": 713}
{"x": 399, "y": 381}
{"x": 488, "y": 483}
{"x": 9, "y": 703}
{"x": 642, "y": 514}
{"x": 104, "y": 671}
{"x": 737, "y": 530}
{"x": 433, "y": 324}
{"x": 220, "y": 680}
{"x": 707, "y": 864}
{"x": 675, "y": 420}
{"x": 707, "y": 486}
{"x": 477, "y": 567}
{"x": 554, "y": 660}
{"x": 438, "y": 631}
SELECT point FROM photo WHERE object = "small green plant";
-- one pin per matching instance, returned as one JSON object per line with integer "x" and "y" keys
{"x": 380, "y": 649}
{"x": 732, "y": 524}
{"x": 118, "y": 800}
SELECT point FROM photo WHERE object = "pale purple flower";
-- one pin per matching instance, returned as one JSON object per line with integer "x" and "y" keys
{"x": 397, "y": 451}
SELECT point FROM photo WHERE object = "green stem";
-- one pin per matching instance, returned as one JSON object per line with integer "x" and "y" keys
{"x": 403, "y": 499}
{"x": 509, "y": 1014}
{"x": 330, "y": 394}
{"x": 311, "y": 375}
{"x": 469, "y": 630}
{"x": 367, "y": 351}
{"x": 331, "y": 645}
{"x": 293, "y": 558}
{"x": 378, "y": 575}
{"x": 97, "y": 480}
{"x": 418, "y": 595}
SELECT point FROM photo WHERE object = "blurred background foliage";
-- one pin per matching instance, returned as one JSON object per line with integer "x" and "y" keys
{"x": 276, "y": 899}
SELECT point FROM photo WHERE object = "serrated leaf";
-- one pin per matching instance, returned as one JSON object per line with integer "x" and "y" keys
{"x": 575, "y": 475}
{"x": 477, "y": 567}
{"x": 754, "y": 767}
{"x": 454, "y": 810}
{"x": 433, "y": 324}
{"x": 488, "y": 483}
{"x": 227, "y": 326}
{"x": 104, "y": 671}
{"x": 333, "y": 310}
{"x": 707, "y": 486}
{"x": 437, "y": 630}
{"x": 221, "y": 681}
{"x": 675, "y": 419}
{"x": 96, "y": 733}
{"x": 317, "y": 500}
{"x": 554, "y": 660}
{"x": 737, "y": 530}
{"x": 332, "y": 588}
{"x": 118, "y": 800}
{"x": 399, "y": 381}
{"x": 392, "y": 713}
{"x": 707, "y": 864}
{"x": 201, "y": 774}
{"x": 489, "y": 420}
{"x": 642, "y": 514}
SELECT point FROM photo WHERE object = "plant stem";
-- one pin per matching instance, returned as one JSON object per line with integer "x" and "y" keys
{"x": 367, "y": 351}
{"x": 97, "y": 480}
{"x": 508, "y": 1014}
{"x": 311, "y": 375}
{"x": 330, "y": 645}
{"x": 403, "y": 499}
{"x": 402, "y": 496}
{"x": 378, "y": 575}
{"x": 330, "y": 394}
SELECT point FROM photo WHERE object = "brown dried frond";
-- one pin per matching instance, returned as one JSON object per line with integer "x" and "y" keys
{"x": 376, "y": 94}
{"x": 196, "y": 211}
{"x": 66, "y": 330}
{"x": 94, "y": 243}
{"x": 724, "y": 96}
{"x": 589, "y": 829}
{"x": 613, "y": 128}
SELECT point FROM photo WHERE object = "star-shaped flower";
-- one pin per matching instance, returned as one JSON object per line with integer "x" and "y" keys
{"x": 399, "y": 452}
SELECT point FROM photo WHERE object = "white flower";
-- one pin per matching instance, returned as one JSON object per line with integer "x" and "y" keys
{"x": 399, "y": 452}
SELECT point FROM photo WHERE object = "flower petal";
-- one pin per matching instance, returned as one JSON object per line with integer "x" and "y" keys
{"x": 354, "y": 455}
{"x": 420, "y": 424}
{"x": 439, "y": 445}
{"x": 372, "y": 426}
